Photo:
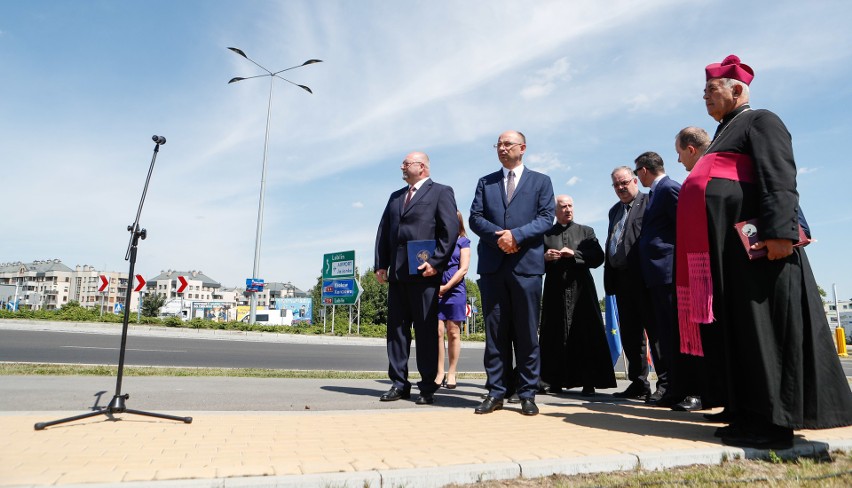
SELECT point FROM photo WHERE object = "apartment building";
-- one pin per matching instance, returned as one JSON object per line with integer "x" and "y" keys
{"x": 839, "y": 315}
{"x": 49, "y": 284}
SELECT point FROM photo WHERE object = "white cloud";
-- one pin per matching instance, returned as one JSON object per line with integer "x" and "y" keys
{"x": 573, "y": 181}
{"x": 357, "y": 204}
{"x": 544, "y": 162}
{"x": 545, "y": 80}
{"x": 804, "y": 171}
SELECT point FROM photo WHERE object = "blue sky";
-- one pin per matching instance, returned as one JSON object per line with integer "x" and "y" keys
{"x": 592, "y": 85}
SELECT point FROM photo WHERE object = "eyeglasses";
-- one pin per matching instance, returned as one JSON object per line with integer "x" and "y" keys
{"x": 622, "y": 183}
{"x": 406, "y": 164}
{"x": 507, "y": 145}
{"x": 637, "y": 170}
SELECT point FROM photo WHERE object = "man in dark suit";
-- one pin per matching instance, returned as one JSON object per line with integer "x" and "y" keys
{"x": 656, "y": 257}
{"x": 511, "y": 211}
{"x": 422, "y": 210}
{"x": 623, "y": 278}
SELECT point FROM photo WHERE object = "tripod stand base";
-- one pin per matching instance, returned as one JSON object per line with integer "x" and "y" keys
{"x": 115, "y": 406}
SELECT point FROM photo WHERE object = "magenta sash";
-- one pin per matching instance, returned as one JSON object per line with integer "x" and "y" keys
{"x": 693, "y": 280}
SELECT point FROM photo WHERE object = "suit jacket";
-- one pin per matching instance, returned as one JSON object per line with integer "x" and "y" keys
{"x": 658, "y": 235}
{"x": 431, "y": 214}
{"x": 632, "y": 229}
{"x": 528, "y": 216}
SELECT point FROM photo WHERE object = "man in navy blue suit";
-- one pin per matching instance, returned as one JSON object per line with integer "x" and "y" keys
{"x": 656, "y": 258}
{"x": 422, "y": 210}
{"x": 512, "y": 209}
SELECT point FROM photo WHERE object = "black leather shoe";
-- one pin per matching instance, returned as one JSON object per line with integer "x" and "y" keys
{"x": 588, "y": 391}
{"x": 513, "y": 399}
{"x": 722, "y": 417}
{"x": 528, "y": 406}
{"x": 689, "y": 404}
{"x": 395, "y": 394}
{"x": 425, "y": 399}
{"x": 667, "y": 401}
{"x": 655, "y": 397}
{"x": 489, "y": 405}
{"x": 633, "y": 392}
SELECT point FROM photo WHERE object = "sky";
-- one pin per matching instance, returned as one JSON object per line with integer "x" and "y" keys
{"x": 592, "y": 85}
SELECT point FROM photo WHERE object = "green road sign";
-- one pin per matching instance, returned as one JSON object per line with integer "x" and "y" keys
{"x": 338, "y": 265}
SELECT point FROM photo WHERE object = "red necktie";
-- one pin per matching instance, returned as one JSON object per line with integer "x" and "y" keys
{"x": 408, "y": 197}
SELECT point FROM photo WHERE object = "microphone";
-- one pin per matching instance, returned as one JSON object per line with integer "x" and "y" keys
{"x": 160, "y": 140}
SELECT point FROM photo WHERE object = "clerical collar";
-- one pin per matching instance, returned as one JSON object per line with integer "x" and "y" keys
{"x": 728, "y": 118}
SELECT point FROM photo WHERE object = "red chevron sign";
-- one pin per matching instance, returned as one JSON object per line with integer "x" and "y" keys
{"x": 140, "y": 282}
{"x": 183, "y": 284}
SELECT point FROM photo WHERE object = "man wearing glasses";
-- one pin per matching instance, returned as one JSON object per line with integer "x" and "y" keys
{"x": 623, "y": 278}
{"x": 511, "y": 211}
{"x": 420, "y": 211}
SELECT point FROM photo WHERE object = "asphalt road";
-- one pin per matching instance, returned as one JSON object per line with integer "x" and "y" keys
{"x": 46, "y": 346}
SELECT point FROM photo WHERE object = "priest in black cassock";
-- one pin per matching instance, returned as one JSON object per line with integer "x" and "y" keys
{"x": 759, "y": 322}
{"x": 574, "y": 349}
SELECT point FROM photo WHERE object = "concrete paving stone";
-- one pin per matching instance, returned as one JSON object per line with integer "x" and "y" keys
{"x": 244, "y": 470}
{"x": 326, "y": 480}
{"x": 287, "y": 468}
{"x": 444, "y": 475}
{"x": 578, "y": 465}
{"x": 147, "y": 474}
{"x": 104, "y": 474}
{"x": 655, "y": 461}
{"x": 185, "y": 473}
{"x": 326, "y": 466}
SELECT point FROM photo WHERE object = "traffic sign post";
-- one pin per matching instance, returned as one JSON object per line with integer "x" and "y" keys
{"x": 254, "y": 285}
{"x": 341, "y": 292}
{"x": 338, "y": 265}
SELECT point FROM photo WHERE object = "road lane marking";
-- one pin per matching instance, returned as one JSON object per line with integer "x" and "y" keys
{"x": 115, "y": 349}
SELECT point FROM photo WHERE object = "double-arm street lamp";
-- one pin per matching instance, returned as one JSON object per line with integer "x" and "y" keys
{"x": 272, "y": 75}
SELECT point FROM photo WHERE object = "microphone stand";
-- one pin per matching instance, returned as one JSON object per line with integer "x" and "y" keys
{"x": 117, "y": 404}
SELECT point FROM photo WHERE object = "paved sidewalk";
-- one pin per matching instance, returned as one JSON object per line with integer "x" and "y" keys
{"x": 414, "y": 447}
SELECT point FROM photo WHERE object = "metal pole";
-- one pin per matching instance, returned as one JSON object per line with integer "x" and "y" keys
{"x": 836, "y": 305}
{"x": 253, "y": 302}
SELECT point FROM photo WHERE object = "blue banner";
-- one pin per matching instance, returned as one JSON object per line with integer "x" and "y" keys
{"x": 613, "y": 335}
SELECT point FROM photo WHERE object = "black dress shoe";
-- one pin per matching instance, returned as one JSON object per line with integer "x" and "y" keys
{"x": 722, "y": 417}
{"x": 514, "y": 399}
{"x": 489, "y": 405}
{"x": 588, "y": 391}
{"x": 425, "y": 399}
{"x": 395, "y": 394}
{"x": 633, "y": 392}
{"x": 655, "y": 397}
{"x": 667, "y": 401}
{"x": 528, "y": 406}
{"x": 689, "y": 404}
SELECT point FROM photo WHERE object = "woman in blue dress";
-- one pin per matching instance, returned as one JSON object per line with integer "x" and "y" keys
{"x": 452, "y": 303}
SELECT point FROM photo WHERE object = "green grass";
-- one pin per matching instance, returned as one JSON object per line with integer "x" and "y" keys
{"x": 26, "y": 369}
{"x": 834, "y": 470}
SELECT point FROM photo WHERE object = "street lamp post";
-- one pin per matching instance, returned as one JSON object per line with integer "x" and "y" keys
{"x": 272, "y": 75}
